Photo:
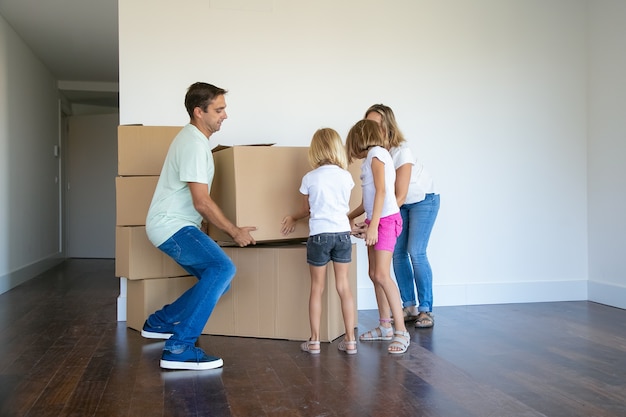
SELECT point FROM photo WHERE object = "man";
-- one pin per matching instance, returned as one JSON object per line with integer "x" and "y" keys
{"x": 180, "y": 202}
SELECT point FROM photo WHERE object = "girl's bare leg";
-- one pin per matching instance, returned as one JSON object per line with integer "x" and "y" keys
{"x": 383, "y": 305}
{"x": 318, "y": 278}
{"x": 345, "y": 294}
{"x": 388, "y": 298}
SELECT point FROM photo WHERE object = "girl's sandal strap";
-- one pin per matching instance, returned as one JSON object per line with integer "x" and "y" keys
{"x": 377, "y": 333}
{"x": 311, "y": 346}
{"x": 401, "y": 340}
{"x": 348, "y": 346}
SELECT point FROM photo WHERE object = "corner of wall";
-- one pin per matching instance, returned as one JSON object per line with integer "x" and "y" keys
{"x": 20, "y": 276}
{"x": 609, "y": 294}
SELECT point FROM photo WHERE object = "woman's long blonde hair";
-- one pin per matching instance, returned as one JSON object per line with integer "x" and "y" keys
{"x": 327, "y": 149}
{"x": 388, "y": 123}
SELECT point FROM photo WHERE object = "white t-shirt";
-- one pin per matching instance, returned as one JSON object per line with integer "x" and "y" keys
{"x": 328, "y": 188}
{"x": 189, "y": 159}
{"x": 390, "y": 205}
{"x": 421, "y": 182}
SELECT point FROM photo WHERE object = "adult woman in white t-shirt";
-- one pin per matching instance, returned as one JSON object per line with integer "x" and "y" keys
{"x": 419, "y": 205}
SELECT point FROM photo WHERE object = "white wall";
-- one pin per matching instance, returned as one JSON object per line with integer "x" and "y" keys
{"x": 29, "y": 129}
{"x": 491, "y": 93}
{"x": 607, "y": 152}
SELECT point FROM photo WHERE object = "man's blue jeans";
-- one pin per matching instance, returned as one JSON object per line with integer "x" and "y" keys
{"x": 199, "y": 255}
{"x": 410, "y": 262}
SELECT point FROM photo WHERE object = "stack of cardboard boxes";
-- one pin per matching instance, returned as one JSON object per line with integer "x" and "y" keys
{"x": 254, "y": 186}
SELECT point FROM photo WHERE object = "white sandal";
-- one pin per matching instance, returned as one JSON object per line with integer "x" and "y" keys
{"x": 348, "y": 346}
{"x": 311, "y": 346}
{"x": 400, "y": 339}
{"x": 377, "y": 333}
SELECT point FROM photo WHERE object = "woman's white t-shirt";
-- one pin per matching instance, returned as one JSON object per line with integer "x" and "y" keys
{"x": 328, "y": 188}
{"x": 421, "y": 182}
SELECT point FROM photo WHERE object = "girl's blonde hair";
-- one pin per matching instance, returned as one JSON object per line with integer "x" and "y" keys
{"x": 388, "y": 123}
{"x": 363, "y": 135}
{"x": 327, "y": 149}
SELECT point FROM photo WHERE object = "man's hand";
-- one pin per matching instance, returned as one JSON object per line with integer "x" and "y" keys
{"x": 242, "y": 236}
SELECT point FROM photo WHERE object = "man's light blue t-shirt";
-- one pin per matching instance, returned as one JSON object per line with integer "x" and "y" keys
{"x": 189, "y": 159}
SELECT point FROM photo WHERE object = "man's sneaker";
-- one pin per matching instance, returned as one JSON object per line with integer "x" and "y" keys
{"x": 150, "y": 332}
{"x": 191, "y": 358}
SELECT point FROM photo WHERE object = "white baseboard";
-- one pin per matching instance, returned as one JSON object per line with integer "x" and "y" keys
{"x": 21, "y": 275}
{"x": 497, "y": 293}
{"x": 609, "y": 294}
{"x": 121, "y": 300}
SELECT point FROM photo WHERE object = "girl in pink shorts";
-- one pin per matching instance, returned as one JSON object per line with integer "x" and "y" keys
{"x": 384, "y": 221}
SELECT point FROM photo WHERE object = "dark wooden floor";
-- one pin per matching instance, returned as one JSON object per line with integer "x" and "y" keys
{"x": 62, "y": 353}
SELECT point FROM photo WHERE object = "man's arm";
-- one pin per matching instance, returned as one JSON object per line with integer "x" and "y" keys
{"x": 210, "y": 211}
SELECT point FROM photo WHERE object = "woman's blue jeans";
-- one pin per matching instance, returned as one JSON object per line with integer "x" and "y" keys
{"x": 199, "y": 255}
{"x": 410, "y": 262}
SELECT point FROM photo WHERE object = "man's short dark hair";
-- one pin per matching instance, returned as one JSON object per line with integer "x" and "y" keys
{"x": 201, "y": 95}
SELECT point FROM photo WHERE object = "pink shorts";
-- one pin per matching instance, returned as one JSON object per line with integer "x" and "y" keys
{"x": 389, "y": 228}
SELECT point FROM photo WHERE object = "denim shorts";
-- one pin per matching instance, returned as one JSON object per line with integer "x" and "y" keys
{"x": 325, "y": 247}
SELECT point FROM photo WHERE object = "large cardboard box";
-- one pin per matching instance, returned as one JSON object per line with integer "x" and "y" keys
{"x": 145, "y": 296}
{"x": 268, "y": 298}
{"x": 133, "y": 197}
{"x": 142, "y": 149}
{"x": 137, "y": 258}
{"x": 259, "y": 186}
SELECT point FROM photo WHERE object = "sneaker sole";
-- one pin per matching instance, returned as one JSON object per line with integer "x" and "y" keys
{"x": 155, "y": 335}
{"x": 191, "y": 366}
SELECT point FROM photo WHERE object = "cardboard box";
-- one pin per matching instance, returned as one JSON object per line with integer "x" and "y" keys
{"x": 144, "y": 297}
{"x": 142, "y": 149}
{"x": 259, "y": 185}
{"x": 356, "y": 197}
{"x": 133, "y": 197}
{"x": 137, "y": 258}
{"x": 268, "y": 298}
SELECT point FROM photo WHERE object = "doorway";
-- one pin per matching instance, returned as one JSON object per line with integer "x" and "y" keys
{"x": 91, "y": 172}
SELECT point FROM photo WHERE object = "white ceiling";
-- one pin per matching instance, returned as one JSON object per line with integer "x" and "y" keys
{"x": 77, "y": 40}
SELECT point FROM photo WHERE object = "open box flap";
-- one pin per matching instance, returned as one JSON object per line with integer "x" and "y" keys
{"x": 222, "y": 147}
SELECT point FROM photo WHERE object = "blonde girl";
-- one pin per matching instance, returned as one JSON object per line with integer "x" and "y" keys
{"x": 325, "y": 201}
{"x": 378, "y": 175}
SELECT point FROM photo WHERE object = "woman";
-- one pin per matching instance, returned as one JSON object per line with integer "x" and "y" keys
{"x": 419, "y": 205}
